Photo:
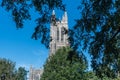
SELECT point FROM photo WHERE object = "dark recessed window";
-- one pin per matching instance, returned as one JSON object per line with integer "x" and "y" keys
{"x": 62, "y": 33}
{"x": 57, "y": 34}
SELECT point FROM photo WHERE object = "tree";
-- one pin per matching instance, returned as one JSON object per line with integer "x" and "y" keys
{"x": 20, "y": 11}
{"x": 98, "y": 31}
{"x": 9, "y": 72}
{"x": 7, "y": 68}
{"x": 65, "y": 64}
{"x": 21, "y": 74}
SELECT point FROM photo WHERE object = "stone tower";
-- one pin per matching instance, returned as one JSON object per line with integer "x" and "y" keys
{"x": 59, "y": 38}
{"x": 35, "y": 74}
{"x": 58, "y": 32}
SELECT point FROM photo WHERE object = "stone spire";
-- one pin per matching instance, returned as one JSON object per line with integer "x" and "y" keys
{"x": 65, "y": 15}
{"x": 53, "y": 12}
{"x": 65, "y": 18}
{"x": 53, "y": 18}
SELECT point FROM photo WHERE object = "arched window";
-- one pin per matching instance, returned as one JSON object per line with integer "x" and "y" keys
{"x": 57, "y": 34}
{"x": 62, "y": 33}
{"x": 55, "y": 46}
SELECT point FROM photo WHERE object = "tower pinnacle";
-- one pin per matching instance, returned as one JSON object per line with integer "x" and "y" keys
{"x": 53, "y": 12}
{"x": 65, "y": 18}
{"x": 53, "y": 17}
{"x": 65, "y": 13}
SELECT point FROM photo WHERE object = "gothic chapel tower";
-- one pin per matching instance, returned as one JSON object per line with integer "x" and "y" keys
{"x": 58, "y": 32}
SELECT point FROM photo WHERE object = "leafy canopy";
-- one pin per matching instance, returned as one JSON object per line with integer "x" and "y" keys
{"x": 9, "y": 72}
{"x": 98, "y": 31}
{"x": 65, "y": 64}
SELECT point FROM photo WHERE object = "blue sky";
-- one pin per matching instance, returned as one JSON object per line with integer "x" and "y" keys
{"x": 18, "y": 46}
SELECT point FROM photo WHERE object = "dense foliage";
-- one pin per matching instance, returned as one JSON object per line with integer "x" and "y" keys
{"x": 9, "y": 72}
{"x": 65, "y": 64}
{"x": 98, "y": 31}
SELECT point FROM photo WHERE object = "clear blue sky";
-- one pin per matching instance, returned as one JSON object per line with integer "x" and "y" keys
{"x": 18, "y": 46}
